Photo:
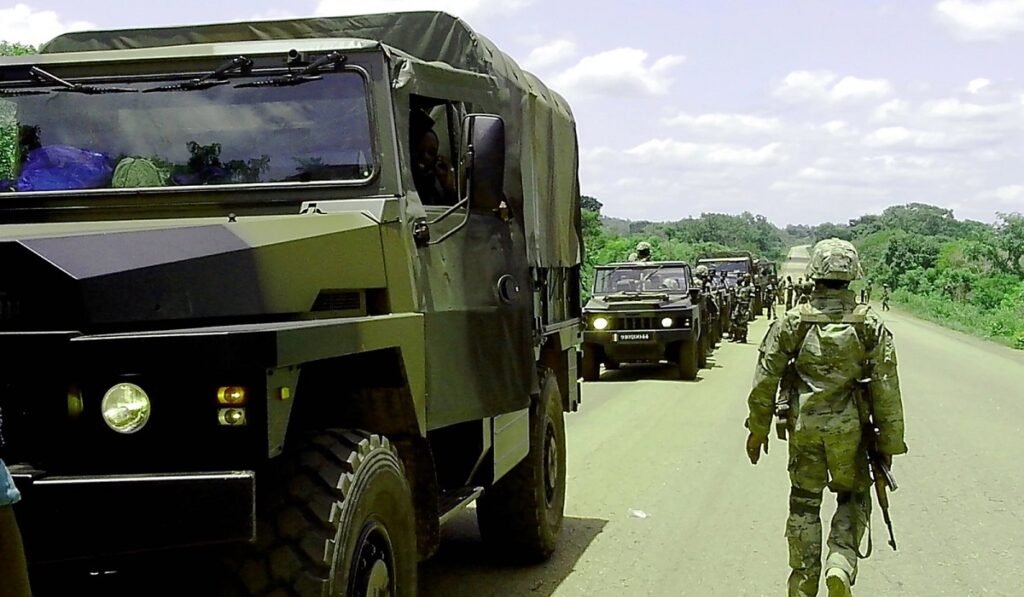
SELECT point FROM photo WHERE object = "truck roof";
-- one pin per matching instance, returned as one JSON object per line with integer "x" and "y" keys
{"x": 543, "y": 187}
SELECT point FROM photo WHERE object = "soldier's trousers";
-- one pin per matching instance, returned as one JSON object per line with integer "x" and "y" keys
{"x": 816, "y": 462}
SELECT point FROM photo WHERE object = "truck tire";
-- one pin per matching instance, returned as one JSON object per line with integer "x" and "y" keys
{"x": 520, "y": 516}
{"x": 591, "y": 362}
{"x": 687, "y": 359}
{"x": 338, "y": 520}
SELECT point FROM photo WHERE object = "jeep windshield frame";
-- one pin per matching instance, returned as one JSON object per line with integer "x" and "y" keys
{"x": 656, "y": 277}
{"x": 317, "y": 135}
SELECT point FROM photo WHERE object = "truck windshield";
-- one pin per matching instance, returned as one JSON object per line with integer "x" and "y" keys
{"x": 731, "y": 267}
{"x": 56, "y": 140}
{"x": 641, "y": 279}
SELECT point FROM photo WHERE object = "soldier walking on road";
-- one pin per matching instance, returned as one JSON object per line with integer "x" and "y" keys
{"x": 885, "y": 297}
{"x": 790, "y": 290}
{"x": 824, "y": 353}
{"x": 741, "y": 312}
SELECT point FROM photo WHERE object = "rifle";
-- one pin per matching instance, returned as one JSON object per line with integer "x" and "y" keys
{"x": 882, "y": 477}
{"x": 787, "y": 396}
{"x": 880, "y": 474}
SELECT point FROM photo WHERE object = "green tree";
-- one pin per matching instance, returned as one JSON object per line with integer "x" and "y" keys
{"x": 16, "y": 49}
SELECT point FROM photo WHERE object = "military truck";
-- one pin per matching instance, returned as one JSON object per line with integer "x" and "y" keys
{"x": 734, "y": 263}
{"x": 645, "y": 312}
{"x": 233, "y": 312}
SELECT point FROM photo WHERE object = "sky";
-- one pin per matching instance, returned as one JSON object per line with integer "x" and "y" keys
{"x": 801, "y": 110}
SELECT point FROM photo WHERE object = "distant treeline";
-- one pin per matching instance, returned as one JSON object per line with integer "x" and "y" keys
{"x": 610, "y": 239}
{"x": 961, "y": 273}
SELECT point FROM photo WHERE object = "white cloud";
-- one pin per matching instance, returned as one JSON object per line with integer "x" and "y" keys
{"x": 890, "y": 109}
{"x": 1010, "y": 193}
{"x": 274, "y": 14}
{"x": 550, "y": 54}
{"x": 855, "y": 88}
{"x": 976, "y": 85}
{"x": 733, "y": 124}
{"x": 953, "y": 108}
{"x": 678, "y": 152}
{"x": 622, "y": 72}
{"x": 837, "y": 128}
{"x": 888, "y": 136}
{"x": 25, "y": 25}
{"x": 987, "y": 20}
{"x": 458, "y": 8}
{"x": 803, "y": 85}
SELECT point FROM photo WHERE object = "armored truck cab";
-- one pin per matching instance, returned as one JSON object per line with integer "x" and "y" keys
{"x": 310, "y": 286}
{"x": 643, "y": 312}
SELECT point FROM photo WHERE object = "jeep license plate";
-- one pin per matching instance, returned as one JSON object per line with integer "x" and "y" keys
{"x": 632, "y": 337}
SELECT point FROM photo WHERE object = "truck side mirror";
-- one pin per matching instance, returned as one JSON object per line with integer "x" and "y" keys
{"x": 483, "y": 142}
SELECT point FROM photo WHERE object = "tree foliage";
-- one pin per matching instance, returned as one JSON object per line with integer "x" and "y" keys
{"x": 16, "y": 49}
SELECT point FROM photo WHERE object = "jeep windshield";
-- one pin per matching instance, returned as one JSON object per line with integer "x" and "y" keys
{"x": 663, "y": 279}
{"x": 224, "y": 134}
{"x": 729, "y": 267}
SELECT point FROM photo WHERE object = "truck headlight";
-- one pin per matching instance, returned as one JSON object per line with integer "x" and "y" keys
{"x": 126, "y": 408}
{"x": 667, "y": 322}
{"x": 600, "y": 323}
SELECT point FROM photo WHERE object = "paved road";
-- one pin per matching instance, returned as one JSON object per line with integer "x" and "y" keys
{"x": 714, "y": 525}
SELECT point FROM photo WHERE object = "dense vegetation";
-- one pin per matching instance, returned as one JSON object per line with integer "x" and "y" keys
{"x": 15, "y": 49}
{"x": 964, "y": 274}
{"x": 608, "y": 239}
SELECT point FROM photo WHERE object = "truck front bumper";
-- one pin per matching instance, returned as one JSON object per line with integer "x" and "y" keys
{"x": 85, "y": 517}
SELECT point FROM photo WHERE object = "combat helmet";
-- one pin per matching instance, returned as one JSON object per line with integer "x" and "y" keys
{"x": 701, "y": 271}
{"x": 643, "y": 246}
{"x": 834, "y": 259}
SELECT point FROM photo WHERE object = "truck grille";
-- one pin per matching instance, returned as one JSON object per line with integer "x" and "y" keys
{"x": 637, "y": 323}
{"x": 338, "y": 300}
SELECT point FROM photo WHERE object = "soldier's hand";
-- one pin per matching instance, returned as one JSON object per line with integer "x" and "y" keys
{"x": 754, "y": 446}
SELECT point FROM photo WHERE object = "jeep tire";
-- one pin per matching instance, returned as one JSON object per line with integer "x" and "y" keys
{"x": 337, "y": 520}
{"x": 686, "y": 359}
{"x": 520, "y": 516}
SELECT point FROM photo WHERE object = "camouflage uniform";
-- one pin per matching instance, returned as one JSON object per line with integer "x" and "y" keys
{"x": 642, "y": 252}
{"x": 741, "y": 312}
{"x": 824, "y": 421}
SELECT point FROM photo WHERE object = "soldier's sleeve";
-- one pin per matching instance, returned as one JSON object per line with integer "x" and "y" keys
{"x": 775, "y": 352}
{"x": 885, "y": 393}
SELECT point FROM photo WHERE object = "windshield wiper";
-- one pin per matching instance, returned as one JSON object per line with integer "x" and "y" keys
{"x": 211, "y": 79}
{"x": 303, "y": 76}
{"x": 7, "y": 92}
{"x": 44, "y": 77}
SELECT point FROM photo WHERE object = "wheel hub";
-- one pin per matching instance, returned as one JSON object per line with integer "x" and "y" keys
{"x": 373, "y": 564}
{"x": 550, "y": 464}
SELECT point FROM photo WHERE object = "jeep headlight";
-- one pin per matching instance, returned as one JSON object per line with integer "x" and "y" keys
{"x": 667, "y": 322}
{"x": 600, "y": 323}
{"x": 126, "y": 408}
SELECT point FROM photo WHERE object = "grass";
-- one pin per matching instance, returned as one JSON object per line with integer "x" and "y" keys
{"x": 1004, "y": 325}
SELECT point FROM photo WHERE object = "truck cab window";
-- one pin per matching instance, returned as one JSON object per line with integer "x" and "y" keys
{"x": 432, "y": 165}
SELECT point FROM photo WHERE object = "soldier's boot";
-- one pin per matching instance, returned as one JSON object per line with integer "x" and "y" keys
{"x": 803, "y": 532}
{"x": 838, "y": 583}
{"x": 849, "y": 524}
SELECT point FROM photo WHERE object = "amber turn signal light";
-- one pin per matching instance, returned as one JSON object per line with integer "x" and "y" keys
{"x": 232, "y": 395}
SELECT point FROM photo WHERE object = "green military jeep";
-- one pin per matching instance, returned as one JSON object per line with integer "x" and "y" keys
{"x": 309, "y": 287}
{"x": 644, "y": 312}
